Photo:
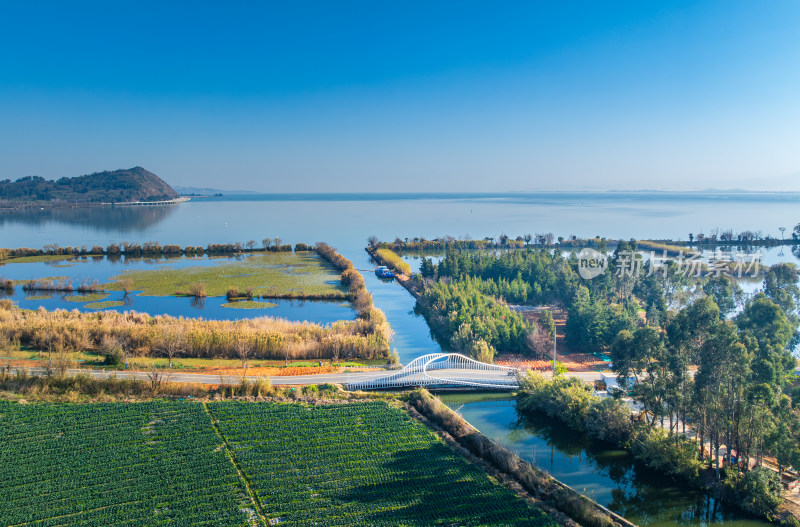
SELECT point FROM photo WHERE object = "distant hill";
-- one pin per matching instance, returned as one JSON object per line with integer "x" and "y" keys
{"x": 115, "y": 186}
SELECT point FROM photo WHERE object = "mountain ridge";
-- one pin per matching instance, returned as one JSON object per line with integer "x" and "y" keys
{"x": 109, "y": 186}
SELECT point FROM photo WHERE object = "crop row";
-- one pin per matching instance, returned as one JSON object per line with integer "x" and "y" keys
{"x": 360, "y": 464}
{"x": 159, "y": 463}
{"x": 104, "y": 464}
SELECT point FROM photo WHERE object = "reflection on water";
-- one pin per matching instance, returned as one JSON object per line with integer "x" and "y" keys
{"x": 105, "y": 218}
{"x": 607, "y": 474}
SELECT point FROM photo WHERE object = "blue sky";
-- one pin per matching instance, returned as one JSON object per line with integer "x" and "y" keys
{"x": 411, "y": 96}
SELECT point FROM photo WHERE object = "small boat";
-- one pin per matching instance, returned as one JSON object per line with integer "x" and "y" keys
{"x": 384, "y": 272}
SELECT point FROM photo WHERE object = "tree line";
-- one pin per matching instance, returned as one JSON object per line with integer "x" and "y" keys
{"x": 699, "y": 352}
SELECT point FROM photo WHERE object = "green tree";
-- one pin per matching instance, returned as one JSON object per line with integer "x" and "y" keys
{"x": 725, "y": 292}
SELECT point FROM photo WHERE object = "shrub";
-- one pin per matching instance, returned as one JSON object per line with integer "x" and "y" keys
{"x": 232, "y": 293}
{"x": 565, "y": 398}
{"x": 198, "y": 290}
{"x": 114, "y": 357}
{"x": 676, "y": 456}
{"x": 352, "y": 279}
{"x": 6, "y": 285}
{"x": 758, "y": 490}
{"x": 262, "y": 387}
{"x": 609, "y": 420}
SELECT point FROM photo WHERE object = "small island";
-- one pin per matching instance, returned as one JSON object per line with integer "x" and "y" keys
{"x": 124, "y": 186}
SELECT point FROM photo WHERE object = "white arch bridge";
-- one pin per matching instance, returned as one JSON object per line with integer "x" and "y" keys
{"x": 444, "y": 370}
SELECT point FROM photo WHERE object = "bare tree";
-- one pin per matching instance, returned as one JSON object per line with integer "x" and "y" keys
{"x": 266, "y": 242}
{"x": 336, "y": 351}
{"x": 244, "y": 351}
{"x": 373, "y": 241}
{"x": 173, "y": 342}
{"x": 156, "y": 378}
{"x": 127, "y": 285}
{"x": 251, "y": 244}
{"x": 277, "y": 242}
{"x": 63, "y": 360}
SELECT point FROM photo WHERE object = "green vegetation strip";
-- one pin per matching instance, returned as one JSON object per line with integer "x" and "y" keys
{"x": 92, "y": 297}
{"x": 249, "y": 304}
{"x": 267, "y": 273}
{"x": 39, "y": 258}
{"x": 360, "y": 464}
{"x": 105, "y": 305}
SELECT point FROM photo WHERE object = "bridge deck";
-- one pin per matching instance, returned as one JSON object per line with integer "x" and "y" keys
{"x": 444, "y": 370}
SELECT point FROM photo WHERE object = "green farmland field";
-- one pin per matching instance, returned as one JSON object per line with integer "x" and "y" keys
{"x": 361, "y": 464}
{"x": 103, "y": 464}
{"x": 238, "y": 463}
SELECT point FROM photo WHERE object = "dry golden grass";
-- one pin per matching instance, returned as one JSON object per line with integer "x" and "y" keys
{"x": 143, "y": 335}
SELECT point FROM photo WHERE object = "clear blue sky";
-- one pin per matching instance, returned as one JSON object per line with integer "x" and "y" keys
{"x": 413, "y": 96}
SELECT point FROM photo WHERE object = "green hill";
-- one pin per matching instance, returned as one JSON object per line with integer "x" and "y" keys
{"x": 115, "y": 186}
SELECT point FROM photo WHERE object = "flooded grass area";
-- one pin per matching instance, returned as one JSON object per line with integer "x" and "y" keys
{"x": 63, "y": 258}
{"x": 273, "y": 273}
{"x": 156, "y": 280}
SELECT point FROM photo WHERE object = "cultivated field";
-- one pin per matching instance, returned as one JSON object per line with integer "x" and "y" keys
{"x": 239, "y": 463}
{"x": 104, "y": 464}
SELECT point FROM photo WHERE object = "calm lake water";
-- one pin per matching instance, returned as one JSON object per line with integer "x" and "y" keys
{"x": 605, "y": 474}
{"x": 346, "y": 221}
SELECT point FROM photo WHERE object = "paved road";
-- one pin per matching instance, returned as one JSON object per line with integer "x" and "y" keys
{"x": 287, "y": 380}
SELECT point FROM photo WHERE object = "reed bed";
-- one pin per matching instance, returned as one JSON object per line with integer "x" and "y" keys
{"x": 142, "y": 335}
{"x": 671, "y": 249}
{"x": 330, "y": 254}
{"x": 393, "y": 260}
